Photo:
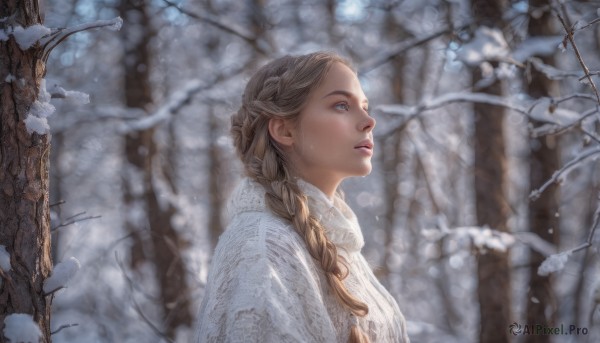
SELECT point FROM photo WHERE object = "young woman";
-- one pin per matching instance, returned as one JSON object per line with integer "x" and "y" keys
{"x": 289, "y": 266}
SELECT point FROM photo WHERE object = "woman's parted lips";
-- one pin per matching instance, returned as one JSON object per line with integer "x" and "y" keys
{"x": 367, "y": 143}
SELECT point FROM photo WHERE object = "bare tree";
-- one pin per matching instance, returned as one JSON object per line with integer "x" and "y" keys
{"x": 25, "y": 45}
{"x": 141, "y": 196}
{"x": 493, "y": 269}
{"x": 24, "y": 180}
{"x": 544, "y": 160}
{"x": 391, "y": 154}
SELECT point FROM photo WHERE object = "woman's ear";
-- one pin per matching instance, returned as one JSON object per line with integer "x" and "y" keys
{"x": 281, "y": 130}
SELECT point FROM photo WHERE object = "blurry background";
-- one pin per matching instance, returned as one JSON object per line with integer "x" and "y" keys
{"x": 479, "y": 104}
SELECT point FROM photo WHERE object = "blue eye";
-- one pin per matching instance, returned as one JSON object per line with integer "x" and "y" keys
{"x": 342, "y": 106}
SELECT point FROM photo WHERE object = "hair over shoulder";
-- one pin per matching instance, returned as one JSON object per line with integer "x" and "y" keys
{"x": 279, "y": 89}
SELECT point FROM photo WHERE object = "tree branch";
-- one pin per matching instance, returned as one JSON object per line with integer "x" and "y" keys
{"x": 59, "y": 35}
{"x": 174, "y": 103}
{"x": 137, "y": 307}
{"x": 570, "y": 37}
{"x": 230, "y": 28}
{"x": 557, "y": 176}
{"x": 65, "y": 326}
{"x": 410, "y": 112}
{"x": 402, "y": 47}
{"x": 72, "y": 220}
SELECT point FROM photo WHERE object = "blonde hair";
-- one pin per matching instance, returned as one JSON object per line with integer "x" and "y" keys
{"x": 279, "y": 90}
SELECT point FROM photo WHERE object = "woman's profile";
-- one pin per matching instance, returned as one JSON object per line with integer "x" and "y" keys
{"x": 289, "y": 266}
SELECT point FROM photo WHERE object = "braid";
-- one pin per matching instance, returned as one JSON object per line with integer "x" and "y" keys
{"x": 271, "y": 93}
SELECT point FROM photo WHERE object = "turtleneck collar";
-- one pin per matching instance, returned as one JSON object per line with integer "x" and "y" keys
{"x": 339, "y": 221}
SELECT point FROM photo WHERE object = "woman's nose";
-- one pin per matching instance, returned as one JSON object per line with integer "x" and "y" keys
{"x": 367, "y": 124}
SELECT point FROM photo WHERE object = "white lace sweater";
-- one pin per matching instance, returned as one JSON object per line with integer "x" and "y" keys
{"x": 264, "y": 286}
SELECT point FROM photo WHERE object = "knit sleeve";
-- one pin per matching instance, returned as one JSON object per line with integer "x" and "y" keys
{"x": 263, "y": 287}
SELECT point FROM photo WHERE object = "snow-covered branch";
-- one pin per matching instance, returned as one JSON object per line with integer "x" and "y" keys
{"x": 52, "y": 40}
{"x": 482, "y": 238}
{"x": 407, "y": 113}
{"x": 557, "y": 262}
{"x": 62, "y": 273}
{"x": 174, "y": 103}
{"x": 559, "y": 175}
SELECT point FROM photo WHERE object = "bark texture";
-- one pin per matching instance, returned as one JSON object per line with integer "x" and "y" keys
{"x": 24, "y": 180}
{"x": 544, "y": 160}
{"x": 493, "y": 268}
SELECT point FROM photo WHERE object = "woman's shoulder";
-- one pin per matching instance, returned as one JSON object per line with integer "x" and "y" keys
{"x": 259, "y": 235}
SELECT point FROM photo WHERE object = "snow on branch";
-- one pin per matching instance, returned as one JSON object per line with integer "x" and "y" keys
{"x": 559, "y": 175}
{"x": 557, "y": 262}
{"x": 561, "y": 122}
{"x": 550, "y": 72}
{"x": 20, "y": 327}
{"x": 175, "y": 101}
{"x": 482, "y": 238}
{"x": 62, "y": 273}
{"x": 26, "y": 37}
{"x": 553, "y": 263}
{"x": 72, "y": 97}
{"x": 52, "y": 40}
{"x": 487, "y": 45}
{"x": 407, "y": 113}
{"x": 535, "y": 46}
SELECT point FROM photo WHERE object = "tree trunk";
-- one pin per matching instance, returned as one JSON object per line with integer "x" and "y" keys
{"x": 493, "y": 269}
{"x": 24, "y": 180}
{"x": 391, "y": 155}
{"x": 216, "y": 178}
{"x": 544, "y": 160}
{"x": 142, "y": 202}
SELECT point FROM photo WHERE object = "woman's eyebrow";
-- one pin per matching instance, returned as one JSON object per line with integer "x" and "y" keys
{"x": 344, "y": 93}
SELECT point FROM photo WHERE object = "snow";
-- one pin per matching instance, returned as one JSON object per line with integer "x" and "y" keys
{"x": 20, "y": 327}
{"x": 481, "y": 237}
{"x": 4, "y": 259}
{"x": 71, "y": 97}
{"x": 37, "y": 125}
{"x": 551, "y": 72}
{"x": 545, "y": 110}
{"x": 535, "y": 242}
{"x": 61, "y": 274}
{"x": 175, "y": 101}
{"x": 38, "y": 112}
{"x": 536, "y": 46}
{"x": 553, "y": 263}
{"x": 27, "y": 37}
{"x": 488, "y": 44}
{"x": 115, "y": 24}
{"x": 3, "y": 36}
{"x": 9, "y": 78}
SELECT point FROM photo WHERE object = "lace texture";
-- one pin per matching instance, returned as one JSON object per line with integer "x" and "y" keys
{"x": 263, "y": 285}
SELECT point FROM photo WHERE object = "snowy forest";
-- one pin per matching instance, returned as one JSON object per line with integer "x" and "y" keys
{"x": 479, "y": 216}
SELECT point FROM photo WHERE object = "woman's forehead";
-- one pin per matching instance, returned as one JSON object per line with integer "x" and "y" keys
{"x": 340, "y": 80}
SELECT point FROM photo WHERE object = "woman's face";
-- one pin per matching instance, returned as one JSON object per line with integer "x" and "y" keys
{"x": 333, "y": 138}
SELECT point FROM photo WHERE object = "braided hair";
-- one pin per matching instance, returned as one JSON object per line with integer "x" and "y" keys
{"x": 279, "y": 90}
